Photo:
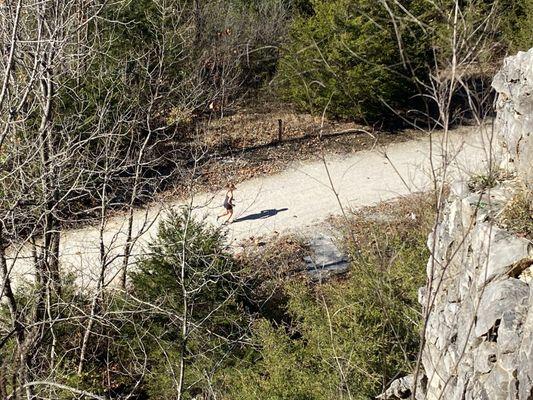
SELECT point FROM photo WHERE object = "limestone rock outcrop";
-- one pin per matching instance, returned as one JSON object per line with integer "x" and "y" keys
{"x": 479, "y": 336}
{"x": 479, "y": 292}
{"x": 514, "y": 121}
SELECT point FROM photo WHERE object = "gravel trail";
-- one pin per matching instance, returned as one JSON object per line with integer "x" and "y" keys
{"x": 295, "y": 200}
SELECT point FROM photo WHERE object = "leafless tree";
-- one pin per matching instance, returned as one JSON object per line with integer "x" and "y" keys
{"x": 59, "y": 157}
{"x": 88, "y": 128}
{"x": 458, "y": 90}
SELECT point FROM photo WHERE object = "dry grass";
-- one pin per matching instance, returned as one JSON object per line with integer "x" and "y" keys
{"x": 244, "y": 145}
{"x": 270, "y": 264}
{"x": 482, "y": 182}
{"x": 379, "y": 230}
{"x": 517, "y": 215}
{"x": 274, "y": 257}
{"x": 248, "y": 129}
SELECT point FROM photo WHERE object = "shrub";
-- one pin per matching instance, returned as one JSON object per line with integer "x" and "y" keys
{"x": 517, "y": 215}
{"x": 344, "y": 58}
{"x": 257, "y": 330}
{"x": 347, "y": 338}
{"x": 187, "y": 257}
{"x": 517, "y": 20}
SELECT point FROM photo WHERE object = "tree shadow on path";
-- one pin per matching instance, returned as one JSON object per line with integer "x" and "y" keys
{"x": 260, "y": 215}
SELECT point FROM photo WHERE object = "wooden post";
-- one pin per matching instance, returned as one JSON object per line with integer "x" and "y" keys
{"x": 280, "y": 130}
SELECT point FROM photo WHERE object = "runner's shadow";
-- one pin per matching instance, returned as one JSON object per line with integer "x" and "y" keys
{"x": 260, "y": 215}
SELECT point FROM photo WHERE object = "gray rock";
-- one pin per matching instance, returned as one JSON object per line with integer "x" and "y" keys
{"x": 327, "y": 259}
{"x": 485, "y": 357}
{"x": 398, "y": 389}
{"x": 479, "y": 334}
{"x": 502, "y": 251}
{"x": 499, "y": 298}
{"x": 514, "y": 121}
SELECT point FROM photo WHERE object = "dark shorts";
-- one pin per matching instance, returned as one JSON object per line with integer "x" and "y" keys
{"x": 228, "y": 206}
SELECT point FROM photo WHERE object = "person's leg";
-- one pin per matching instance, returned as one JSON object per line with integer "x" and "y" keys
{"x": 230, "y": 214}
{"x": 223, "y": 214}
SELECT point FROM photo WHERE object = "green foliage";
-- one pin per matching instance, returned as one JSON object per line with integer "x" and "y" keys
{"x": 255, "y": 331}
{"x": 183, "y": 245}
{"x": 187, "y": 257}
{"x": 367, "y": 60}
{"x": 345, "y": 59}
{"x": 136, "y": 348}
{"x": 517, "y": 21}
{"x": 62, "y": 337}
{"x": 348, "y": 338}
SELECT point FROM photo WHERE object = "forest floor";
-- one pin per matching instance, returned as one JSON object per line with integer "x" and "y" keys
{"x": 245, "y": 144}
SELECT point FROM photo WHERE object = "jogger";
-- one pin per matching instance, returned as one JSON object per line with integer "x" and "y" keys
{"x": 228, "y": 203}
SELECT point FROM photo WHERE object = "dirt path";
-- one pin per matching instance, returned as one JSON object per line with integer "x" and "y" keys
{"x": 294, "y": 200}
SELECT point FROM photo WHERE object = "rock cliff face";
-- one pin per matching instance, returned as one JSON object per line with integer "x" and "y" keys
{"x": 479, "y": 297}
{"x": 514, "y": 123}
{"x": 479, "y": 337}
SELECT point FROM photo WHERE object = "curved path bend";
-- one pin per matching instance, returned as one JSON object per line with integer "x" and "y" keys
{"x": 295, "y": 200}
